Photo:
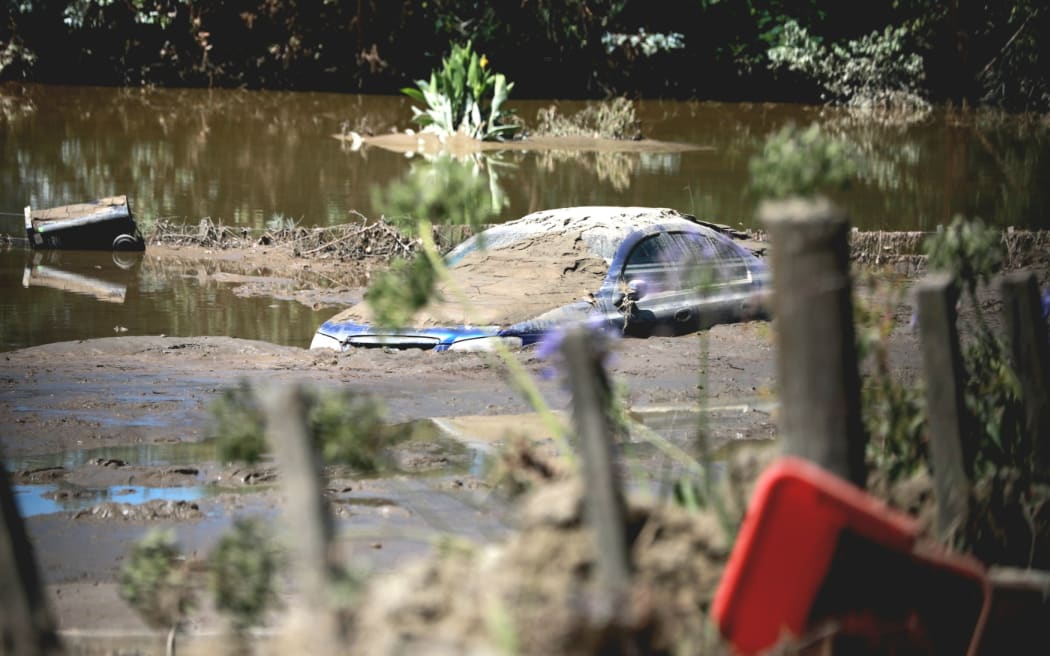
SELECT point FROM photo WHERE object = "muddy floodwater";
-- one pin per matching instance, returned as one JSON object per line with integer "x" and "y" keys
{"x": 252, "y": 158}
{"x": 56, "y": 296}
{"x": 248, "y": 157}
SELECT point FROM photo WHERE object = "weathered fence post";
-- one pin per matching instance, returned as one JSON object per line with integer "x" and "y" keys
{"x": 26, "y": 624}
{"x": 604, "y": 507}
{"x": 951, "y": 446}
{"x": 1027, "y": 340}
{"x": 816, "y": 351}
{"x": 306, "y": 514}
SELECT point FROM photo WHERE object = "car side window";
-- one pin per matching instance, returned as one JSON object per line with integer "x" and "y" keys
{"x": 683, "y": 261}
{"x": 732, "y": 266}
{"x": 648, "y": 262}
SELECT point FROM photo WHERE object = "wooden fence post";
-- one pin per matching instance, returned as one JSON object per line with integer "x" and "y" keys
{"x": 1027, "y": 340}
{"x": 306, "y": 512}
{"x": 26, "y": 624}
{"x": 951, "y": 445}
{"x": 604, "y": 507}
{"x": 818, "y": 381}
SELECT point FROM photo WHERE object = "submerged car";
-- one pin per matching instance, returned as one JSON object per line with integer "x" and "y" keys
{"x": 641, "y": 271}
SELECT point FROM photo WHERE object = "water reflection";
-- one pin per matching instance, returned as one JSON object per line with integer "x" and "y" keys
{"x": 34, "y": 500}
{"x": 242, "y": 157}
{"x": 54, "y": 296}
{"x": 77, "y": 276}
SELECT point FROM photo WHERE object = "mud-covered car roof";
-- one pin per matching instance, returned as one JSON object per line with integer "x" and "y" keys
{"x": 601, "y": 228}
{"x": 515, "y": 271}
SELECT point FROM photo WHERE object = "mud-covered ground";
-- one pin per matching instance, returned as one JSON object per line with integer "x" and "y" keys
{"x": 150, "y": 395}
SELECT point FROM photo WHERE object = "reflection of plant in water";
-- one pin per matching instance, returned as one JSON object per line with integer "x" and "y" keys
{"x": 616, "y": 168}
{"x": 660, "y": 163}
{"x": 13, "y": 109}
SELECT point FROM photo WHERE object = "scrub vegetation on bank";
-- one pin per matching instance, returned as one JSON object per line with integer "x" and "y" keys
{"x": 978, "y": 53}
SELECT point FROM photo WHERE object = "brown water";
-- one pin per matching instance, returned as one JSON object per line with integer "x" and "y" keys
{"x": 245, "y": 158}
{"x": 57, "y": 296}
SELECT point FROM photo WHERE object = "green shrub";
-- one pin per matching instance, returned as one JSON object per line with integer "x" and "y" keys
{"x": 876, "y": 69}
{"x": 463, "y": 96}
{"x": 396, "y": 294}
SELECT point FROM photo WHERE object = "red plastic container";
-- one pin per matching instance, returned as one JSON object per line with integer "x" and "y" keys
{"x": 814, "y": 549}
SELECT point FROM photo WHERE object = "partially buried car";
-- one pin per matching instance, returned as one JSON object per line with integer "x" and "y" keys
{"x": 642, "y": 271}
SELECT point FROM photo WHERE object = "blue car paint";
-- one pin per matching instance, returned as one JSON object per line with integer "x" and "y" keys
{"x": 344, "y": 331}
{"x": 603, "y": 310}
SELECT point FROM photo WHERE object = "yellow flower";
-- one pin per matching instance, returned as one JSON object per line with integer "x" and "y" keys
{"x": 484, "y": 61}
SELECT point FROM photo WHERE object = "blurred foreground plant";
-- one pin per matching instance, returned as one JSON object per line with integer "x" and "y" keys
{"x": 800, "y": 162}
{"x": 154, "y": 580}
{"x": 894, "y": 411}
{"x": 242, "y": 568}
{"x": 973, "y": 253}
{"x": 444, "y": 190}
{"x": 346, "y": 428}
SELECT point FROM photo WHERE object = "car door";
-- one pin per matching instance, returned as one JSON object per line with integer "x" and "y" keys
{"x": 679, "y": 282}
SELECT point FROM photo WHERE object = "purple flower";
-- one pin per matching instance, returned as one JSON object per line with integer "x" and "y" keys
{"x": 549, "y": 348}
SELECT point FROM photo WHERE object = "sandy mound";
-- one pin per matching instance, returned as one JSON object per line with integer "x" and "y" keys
{"x": 533, "y": 594}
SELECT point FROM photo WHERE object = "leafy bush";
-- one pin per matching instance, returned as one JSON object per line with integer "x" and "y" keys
{"x": 876, "y": 69}
{"x": 800, "y": 162}
{"x": 15, "y": 59}
{"x": 396, "y": 294}
{"x": 463, "y": 96}
{"x": 612, "y": 119}
{"x": 642, "y": 43}
{"x": 969, "y": 250}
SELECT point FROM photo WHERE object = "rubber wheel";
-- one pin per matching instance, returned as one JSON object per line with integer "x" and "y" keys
{"x": 127, "y": 243}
